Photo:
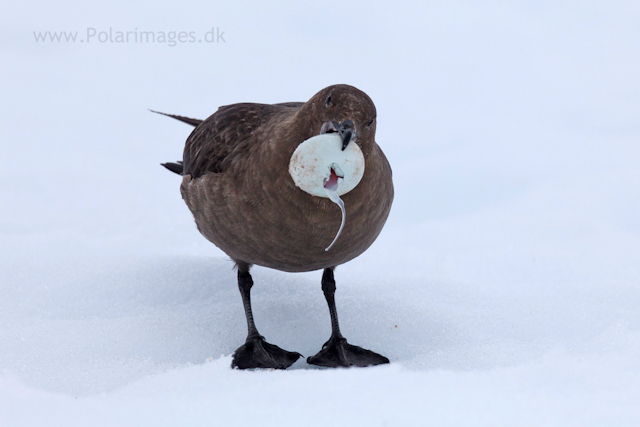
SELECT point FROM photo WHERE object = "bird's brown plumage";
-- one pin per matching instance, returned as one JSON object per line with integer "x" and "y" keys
{"x": 238, "y": 187}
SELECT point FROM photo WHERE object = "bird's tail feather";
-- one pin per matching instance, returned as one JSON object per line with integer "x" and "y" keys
{"x": 174, "y": 167}
{"x": 187, "y": 120}
{"x": 178, "y": 167}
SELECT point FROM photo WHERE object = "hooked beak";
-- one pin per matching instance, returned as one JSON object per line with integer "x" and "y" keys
{"x": 346, "y": 130}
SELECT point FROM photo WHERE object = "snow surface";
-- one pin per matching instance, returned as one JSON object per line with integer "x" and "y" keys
{"x": 504, "y": 288}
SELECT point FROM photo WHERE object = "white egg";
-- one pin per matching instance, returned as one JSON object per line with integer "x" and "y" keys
{"x": 311, "y": 164}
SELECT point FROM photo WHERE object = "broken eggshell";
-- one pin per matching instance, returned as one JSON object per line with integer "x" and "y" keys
{"x": 312, "y": 161}
{"x": 322, "y": 168}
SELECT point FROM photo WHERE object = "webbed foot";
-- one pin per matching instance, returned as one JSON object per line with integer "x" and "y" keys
{"x": 338, "y": 352}
{"x": 257, "y": 353}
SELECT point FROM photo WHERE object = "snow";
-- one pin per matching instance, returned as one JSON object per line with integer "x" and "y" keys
{"x": 504, "y": 288}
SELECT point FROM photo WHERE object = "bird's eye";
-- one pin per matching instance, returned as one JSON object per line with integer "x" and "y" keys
{"x": 370, "y": 123}
{"x": 328, "y": 102}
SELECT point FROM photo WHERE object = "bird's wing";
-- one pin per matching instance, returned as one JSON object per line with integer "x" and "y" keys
{"x": 291, "y": 104}
{"x": 218, "y": 136}
{"x": 213, "y": 145}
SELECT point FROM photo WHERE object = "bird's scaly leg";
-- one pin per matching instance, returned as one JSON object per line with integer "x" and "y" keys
{"x": 337, "y": 351}
{"x": 256, "y": 352}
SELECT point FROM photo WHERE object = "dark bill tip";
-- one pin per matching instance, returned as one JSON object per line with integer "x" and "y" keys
{"x": 346, "y": 138}
{"x": 347, "y": 131}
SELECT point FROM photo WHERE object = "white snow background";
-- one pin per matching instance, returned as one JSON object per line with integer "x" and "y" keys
{"x": 504, "y": 288}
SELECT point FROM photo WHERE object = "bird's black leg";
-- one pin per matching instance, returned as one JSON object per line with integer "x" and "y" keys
{"x": 256, "y": 352}
{"x": 337, "y": 351}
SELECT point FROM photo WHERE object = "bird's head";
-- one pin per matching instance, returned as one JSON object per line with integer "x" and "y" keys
{"x": 344, "y": 110}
